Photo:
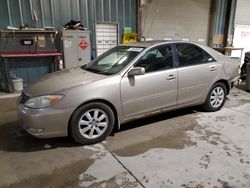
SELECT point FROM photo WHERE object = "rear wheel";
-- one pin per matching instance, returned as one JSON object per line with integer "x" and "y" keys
{"x": 92, "y": 123}
{"x": 216, "y": 97}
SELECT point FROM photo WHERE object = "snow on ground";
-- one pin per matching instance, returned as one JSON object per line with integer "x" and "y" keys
{"x": 220, "y": 157}
{"x": 106, "y": 171}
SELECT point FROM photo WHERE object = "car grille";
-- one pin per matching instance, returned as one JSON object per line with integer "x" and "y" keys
{"x": 24, "y": 98}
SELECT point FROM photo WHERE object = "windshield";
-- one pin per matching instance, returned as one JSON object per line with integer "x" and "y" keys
{"x": 114, "y": 60}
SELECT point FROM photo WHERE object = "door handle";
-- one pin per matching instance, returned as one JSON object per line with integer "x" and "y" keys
{"x": 171, "y": 77}
{"x": 212, "y": 68}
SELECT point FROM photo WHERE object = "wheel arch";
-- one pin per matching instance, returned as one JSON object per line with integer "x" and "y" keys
{"x": 109, "y": 104}
{"x": 225, "y": 82}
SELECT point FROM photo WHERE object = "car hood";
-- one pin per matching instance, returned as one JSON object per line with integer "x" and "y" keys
{"x": 61, "y": 80}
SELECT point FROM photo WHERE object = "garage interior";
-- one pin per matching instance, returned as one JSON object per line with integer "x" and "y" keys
{"x": 185, "y": 148}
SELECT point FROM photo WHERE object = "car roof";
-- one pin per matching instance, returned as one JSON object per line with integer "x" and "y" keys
{"x": 147, "y": 44}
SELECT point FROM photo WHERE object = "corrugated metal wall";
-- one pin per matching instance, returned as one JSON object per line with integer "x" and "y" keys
{"x": 218, "y": 25}
{"x": 56, "y": 13}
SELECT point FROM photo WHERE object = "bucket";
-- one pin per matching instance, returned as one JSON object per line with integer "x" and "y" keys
{"x": 17, "y": 84}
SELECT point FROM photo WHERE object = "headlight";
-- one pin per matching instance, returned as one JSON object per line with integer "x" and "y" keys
{"x": 43, "y": 101}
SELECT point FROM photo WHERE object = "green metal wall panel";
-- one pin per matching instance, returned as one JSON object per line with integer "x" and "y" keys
{"x": 56, "y": 13}
{"x": 31, "y": 70}
{"x": 47, "y": 13}
{"x": 36, "y": 6}
{"x": 114, "y": 11}
{"x": 4, "y": 17}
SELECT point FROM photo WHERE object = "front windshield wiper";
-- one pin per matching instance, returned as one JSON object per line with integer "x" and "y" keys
{"x": 92, "y": 70}
{"x": 84, "y": 66}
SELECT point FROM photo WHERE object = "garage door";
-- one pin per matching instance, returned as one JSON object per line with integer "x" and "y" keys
{"x": 242, "y": 12}
{"x": 106, "y": 37}
{"x": 177, "y": 20}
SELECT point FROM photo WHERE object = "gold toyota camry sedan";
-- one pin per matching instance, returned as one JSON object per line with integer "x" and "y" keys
{"x": 125, "y": 83}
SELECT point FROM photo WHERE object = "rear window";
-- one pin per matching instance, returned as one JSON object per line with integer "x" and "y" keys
{"x": 189, "y": 54}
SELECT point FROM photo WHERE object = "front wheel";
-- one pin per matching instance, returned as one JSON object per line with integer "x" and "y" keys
{"x": 92, "y": 123}
{"x": 216, "y": 97}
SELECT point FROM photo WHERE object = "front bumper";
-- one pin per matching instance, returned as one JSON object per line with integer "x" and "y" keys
{"x": 45, "y": 123}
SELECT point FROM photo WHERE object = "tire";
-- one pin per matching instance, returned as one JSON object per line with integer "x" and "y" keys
{"x": 216, "y": 97}
{"x": 91, "y": 123}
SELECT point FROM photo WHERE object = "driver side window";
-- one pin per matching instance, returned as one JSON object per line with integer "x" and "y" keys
{"x": 157, "y": 59}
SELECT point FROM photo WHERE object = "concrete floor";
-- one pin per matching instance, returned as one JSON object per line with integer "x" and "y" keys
{"x": 185, "y": 148}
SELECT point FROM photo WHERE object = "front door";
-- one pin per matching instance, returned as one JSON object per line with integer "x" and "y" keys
{"x": 156, "y": 89}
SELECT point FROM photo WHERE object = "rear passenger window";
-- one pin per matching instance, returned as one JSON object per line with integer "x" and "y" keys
{"x": 189, "y": 54}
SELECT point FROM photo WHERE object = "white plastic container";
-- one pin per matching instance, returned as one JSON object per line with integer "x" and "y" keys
{"x": 17, "y": 84}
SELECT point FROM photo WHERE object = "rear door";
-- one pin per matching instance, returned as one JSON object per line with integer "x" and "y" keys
{"x": 196, "y": 72}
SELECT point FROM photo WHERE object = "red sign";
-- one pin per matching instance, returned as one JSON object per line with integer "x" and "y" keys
{"x": 83, "y": 44}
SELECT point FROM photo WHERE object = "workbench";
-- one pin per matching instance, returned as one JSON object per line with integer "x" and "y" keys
{"x": 5, "y": 65}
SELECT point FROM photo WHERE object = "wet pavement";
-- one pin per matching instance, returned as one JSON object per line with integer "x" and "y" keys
{"x": 184, "y": 148}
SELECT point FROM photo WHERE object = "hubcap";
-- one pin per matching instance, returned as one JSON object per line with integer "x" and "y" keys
{"x": 93, "y": 123}
{"x": 217, "y": 97}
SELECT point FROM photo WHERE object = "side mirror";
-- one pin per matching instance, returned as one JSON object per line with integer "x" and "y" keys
{"x": 136, "y": 71}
